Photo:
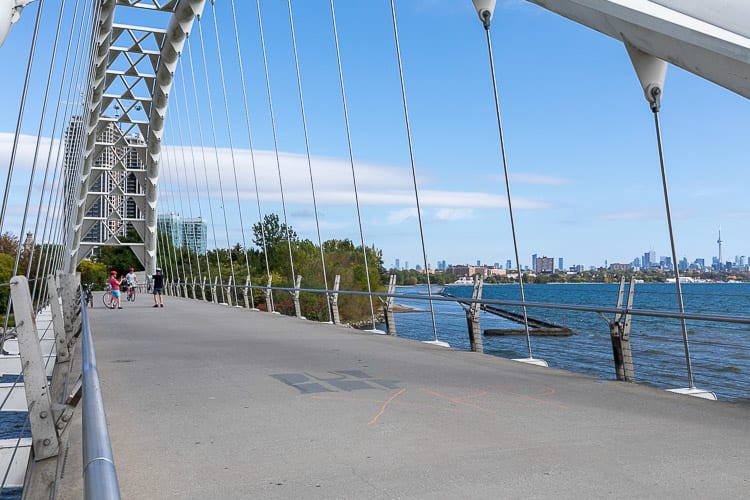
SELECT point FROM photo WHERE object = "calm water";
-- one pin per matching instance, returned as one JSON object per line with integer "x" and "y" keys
{"x": 720, "y": 352}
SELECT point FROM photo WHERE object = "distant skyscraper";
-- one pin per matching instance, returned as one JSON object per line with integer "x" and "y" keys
{"x": 479, "y": 263}
{"x": 406, "y": 264}
{"x": 187, "y": 233}
{"x": 533, "y": 261}
{"x": 169, "y": 224}
{"x": 194, "y": 235}
{"x": 507, "y": 264}
{"x": 560, "y": 265}
{"x": 398, "y": 264}
{"x": 720, "y": 242}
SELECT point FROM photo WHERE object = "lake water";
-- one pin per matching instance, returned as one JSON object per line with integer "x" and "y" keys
{"x": 720, "y": 352}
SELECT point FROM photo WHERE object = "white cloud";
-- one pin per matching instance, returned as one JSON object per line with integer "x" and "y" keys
{"x": 399, "y": 216}
{"x": 454, "y": 214}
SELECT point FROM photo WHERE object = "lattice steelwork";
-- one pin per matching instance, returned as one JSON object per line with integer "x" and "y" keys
{"x": 133, "y": 69}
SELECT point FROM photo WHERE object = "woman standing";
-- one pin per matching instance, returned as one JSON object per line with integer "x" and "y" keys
{"x": 114, "y": 283}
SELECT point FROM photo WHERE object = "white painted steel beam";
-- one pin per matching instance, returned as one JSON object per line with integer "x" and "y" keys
{"x": 133, "y": 70}
{"x": 708, "y": 38}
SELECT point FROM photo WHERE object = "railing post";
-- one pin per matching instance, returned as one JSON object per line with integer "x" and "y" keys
{"x": 185, "y": 288}
{"x": 45, "y": 440}
{"x": 38, "y": 400}
{"x": 58, "y": 322}
{"x": 619, "y": 332}
{"x": 192, "y": 289}
{"x": 269, "y": 297}
{"x": 472, "y": 317}
{"x": 203, "y": 289}
{"x": 228, "y": 291}
{"x": 295, "y": 297}
{"x": 71, "y": 299}
{"x": 247, "y": 292}
{"x": 213, "y": 290}
{"x": 390, "y": 321}
{"x": 334, "y": 300}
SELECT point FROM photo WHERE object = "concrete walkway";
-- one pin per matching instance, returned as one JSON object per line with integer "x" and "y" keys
{"x": 205, "y": 401}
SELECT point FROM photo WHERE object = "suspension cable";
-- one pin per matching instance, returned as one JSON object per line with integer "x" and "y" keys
{"x": 194, "y": 163}
{"x": 231, "y": 150}
{"x": 62, "y": 204}
{"x": 216, "y": 154}
{"x": 252, "y": 150}
{"x": 40, "y": 132}
{"x": 351, "y": 161}
{"x": 174, "y": 181}
{"x": 413, "y": 169}
{"x": 190, "y": 205}
{"x": 19, "y": 121}
{"x": 275, "y": 140}
{"x": 507, "y": 187}
{"x": 205, "y": 163}
{"x": 655, "y": 105}
{"x": 309, "y": 162}
{"x": 44, "y": 191}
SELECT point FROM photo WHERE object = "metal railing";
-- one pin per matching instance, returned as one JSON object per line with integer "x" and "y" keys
{"x": 99, "y": 474}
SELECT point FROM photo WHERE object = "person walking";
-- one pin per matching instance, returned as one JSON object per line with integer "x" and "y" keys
{"x": 157, "y": 282}
{"x": 114, "y": 284}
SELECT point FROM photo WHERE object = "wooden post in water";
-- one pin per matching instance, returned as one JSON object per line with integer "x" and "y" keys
{"x": 334, "y": 301}
{"x": 390, "y": 321}
{"x": 619, "y": 332}
{"x": 472, "y": 317}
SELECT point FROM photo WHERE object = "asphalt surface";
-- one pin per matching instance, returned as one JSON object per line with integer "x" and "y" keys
{"x": 205, "y": 401}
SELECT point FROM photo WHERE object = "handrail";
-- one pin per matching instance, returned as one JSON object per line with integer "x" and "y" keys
{"x": 99, "y": 474}
{"x": 744, "y": 320}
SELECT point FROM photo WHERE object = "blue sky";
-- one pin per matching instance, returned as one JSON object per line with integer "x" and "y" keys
{"x": 579, "y": 135}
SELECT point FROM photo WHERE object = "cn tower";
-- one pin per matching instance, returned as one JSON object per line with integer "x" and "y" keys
{"x": 721, "y": 261}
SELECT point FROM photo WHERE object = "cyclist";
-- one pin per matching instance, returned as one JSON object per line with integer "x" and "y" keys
{"x": 114, "y": 284}
{"x": 132, "y": 283}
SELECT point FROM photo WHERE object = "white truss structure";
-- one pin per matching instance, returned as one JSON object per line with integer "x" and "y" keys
{"x": 132, "y": 73}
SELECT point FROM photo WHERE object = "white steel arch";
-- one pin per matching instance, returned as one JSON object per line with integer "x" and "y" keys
{"x": 132, "y": 73}
{"x": 708, "y": 38}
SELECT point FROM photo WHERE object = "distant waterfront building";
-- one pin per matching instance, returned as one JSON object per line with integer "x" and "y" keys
{"x": 683, "y": 266}
{"x": 479, "y": 263}
{"x": 398, "y": 265}
{"x": 406, "y": 264}
{"x": 615, "y": 266}
{"x": 507, "y": 264}
{"x": 544, "y": 265}
{"x": 533, "y": 261}
{"x": 560, "y": 264}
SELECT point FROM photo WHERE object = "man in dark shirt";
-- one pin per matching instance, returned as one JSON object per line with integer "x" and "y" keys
{"x": 158, "y": 285}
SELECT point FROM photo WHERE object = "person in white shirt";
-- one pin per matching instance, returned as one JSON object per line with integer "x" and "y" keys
{"x": 132, "y": 282}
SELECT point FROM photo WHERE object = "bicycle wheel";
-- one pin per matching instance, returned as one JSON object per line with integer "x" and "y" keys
{"x": 107, "y": 299}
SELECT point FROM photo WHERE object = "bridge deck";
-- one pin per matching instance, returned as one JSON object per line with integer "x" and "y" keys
{"x": 209, "y": 402}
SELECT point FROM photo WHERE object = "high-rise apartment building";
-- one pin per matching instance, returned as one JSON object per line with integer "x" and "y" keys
{"x": 184, "y": 232}
{"x": 544, "y": 265}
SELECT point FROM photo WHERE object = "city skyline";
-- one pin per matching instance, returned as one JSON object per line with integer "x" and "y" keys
{"x": 581, "y": 150}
